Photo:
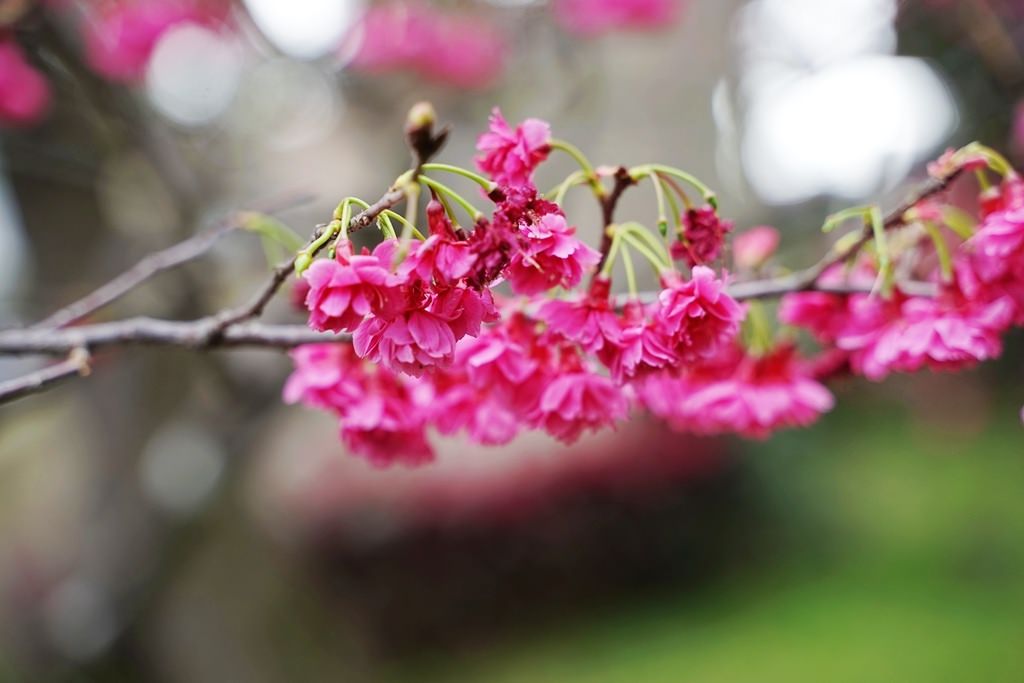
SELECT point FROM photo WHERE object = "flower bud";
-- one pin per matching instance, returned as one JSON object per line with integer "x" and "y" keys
{"x": 421, "y": 117}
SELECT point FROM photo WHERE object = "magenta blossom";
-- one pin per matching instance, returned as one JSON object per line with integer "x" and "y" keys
{"x": 738, "y": 393}
{"x": 697, "y": 315}
{"x": 382, "y": 415}
{"x": 509, "y": 155}
{"x": 409, "y": 343}
{"x": 443, "y": 257}
{"x": 641, "y": 346}
{"x": 460, "y": 406}
{"x": 576, "y": 401}
{"x": 592, "y": 17}
{"x": 906, "y": 334}
{"x": 703, "y": 232}
{"x": 344, "y": 290}
{"x": 590, "y": 322}
{"x": 323, "y": 376}
{"x": 550, "y": 256}
{"x": 24, "y": 92}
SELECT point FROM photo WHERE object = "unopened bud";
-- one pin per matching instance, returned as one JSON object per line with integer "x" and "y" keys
{"x": 421, "y": 117}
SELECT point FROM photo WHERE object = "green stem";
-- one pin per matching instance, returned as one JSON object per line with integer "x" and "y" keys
{"x": 706, "y": 192}
{"x": 656, "y": 263}
{"x": 941, "y": 250}
{"x": 839, "y": 217}
{"x": 670, "y": 198}
{"x": 388, "y": 213}
{"x": 884, "y": 280}
{"x": 958, "y": 221}
{"x": 474, "y": 213}
{"x": 651, "y": 241}
{"x": 572, "y": 180}
{"x": 627, "y": 261}
{"x": 464, "y": 172}
{"x": 305, "y": 257}
{"x": 678, "y": 190}
{"x": 609, "y": 262}
{"x": 584, "y": 163}
{"x": 996, "y": 161}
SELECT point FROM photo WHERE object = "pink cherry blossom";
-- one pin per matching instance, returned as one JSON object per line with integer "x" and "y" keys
{"x": 460, "y": 406}
{"x": 906, "y": 334}
{"x": 409, "y": 343}
{"x": 464, "y": 309}
{"x": 576, "y": 401}
{"x": 510, "y": 155}
{"x": 323, "y": 376}
{"x": 738, "y": 393}
{"x": 592, "y": 17}
{"x": 641, "y": 346}
{"x": 344, "y": 290}
{"x": 550, "y": 256}
{"x": 995, "y": 263}
{"x": 443, "y": 257}
{"x": 591, "y": 322}
{"x": 697, "y": 315}
{"x": 387, "y": 424}
{"x": 753, "y": 248}
{"x": 382, "y": 416}
{"x": 703, "y": 232}
{"x": 24, "y": 92}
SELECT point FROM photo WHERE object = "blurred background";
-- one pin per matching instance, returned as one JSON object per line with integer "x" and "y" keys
{"x": 168, "y": 519}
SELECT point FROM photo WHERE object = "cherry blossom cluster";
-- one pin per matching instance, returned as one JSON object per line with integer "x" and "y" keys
{"x": 509, "y": 323}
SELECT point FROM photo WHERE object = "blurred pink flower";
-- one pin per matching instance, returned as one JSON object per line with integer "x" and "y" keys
{"x": 738, "y": 393}
{"x": 592, "y": 17}
{"x": 905, "y": 334}
{"x": 120, "y": 37}
{"x": 457, "y": 49}
{"x": 24, "y": 92}
{"x": 641, "y": 346}
{"x": 581, "y": 400}
{"x": 753, "y": 248}
{"x": 590, "y": 322}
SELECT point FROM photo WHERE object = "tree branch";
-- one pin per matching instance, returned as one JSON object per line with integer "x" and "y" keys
{"x": 201, "y": 334}
{"x": 77, "y": 363}
{"x": 226, "y": 329}
{"x": 155, "y": 263}
{"x": 894, "y": 219}
{"x": 609, "y": 202}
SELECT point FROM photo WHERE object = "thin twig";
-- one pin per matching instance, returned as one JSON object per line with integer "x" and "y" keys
{"x": 155, "y": 263}
{"x": 423, "y": 145}
{"x": 77, "y": 363}
{"x": 200, "y": 335}
{"x": 894, "y": 219}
